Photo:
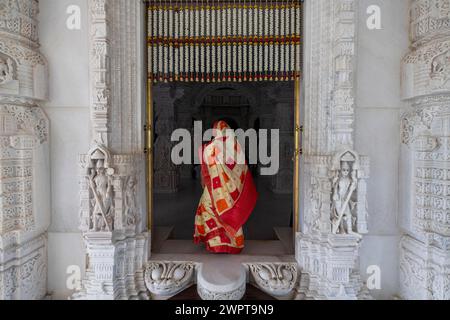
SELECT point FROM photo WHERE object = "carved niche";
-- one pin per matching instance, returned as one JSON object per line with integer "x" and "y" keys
{"x": 440, "y": 71}
{"x": 109, "y": 193}
{"x": 7, "y": 70}
{"x": 8, "y": 75}
{"x": 348, "y": 195}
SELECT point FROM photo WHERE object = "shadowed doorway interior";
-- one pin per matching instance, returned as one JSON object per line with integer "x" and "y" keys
{"x": 177, "y": 189}
{"x": 237, "y": 61}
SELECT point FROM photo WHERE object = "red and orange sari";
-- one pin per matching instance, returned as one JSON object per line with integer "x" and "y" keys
{"x": 229, "y": 195}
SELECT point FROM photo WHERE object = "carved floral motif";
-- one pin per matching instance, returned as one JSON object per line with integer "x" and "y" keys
{"x": 276, "y": 279}
{"x": 168, "y": 278}
{"x": 234, "y": 295}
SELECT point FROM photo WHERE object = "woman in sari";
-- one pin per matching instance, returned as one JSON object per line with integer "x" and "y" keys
{"x": 229, "y": 194}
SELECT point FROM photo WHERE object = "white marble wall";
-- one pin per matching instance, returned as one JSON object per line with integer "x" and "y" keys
{"x": 378, "y": 104}
{"x": 68, "y": 110}
{"x": 377, "y": 133}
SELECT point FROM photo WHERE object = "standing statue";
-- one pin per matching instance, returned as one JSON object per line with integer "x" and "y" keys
{"x": 101, "y": 187}
{"x": 131, "y": 210}
{"x": 344, "y": 185}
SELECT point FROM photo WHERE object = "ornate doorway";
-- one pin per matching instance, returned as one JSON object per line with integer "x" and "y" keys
{"x": 227, "y": 49}
{"x": 329, "y": 100}
{"x": 224, "y": 45}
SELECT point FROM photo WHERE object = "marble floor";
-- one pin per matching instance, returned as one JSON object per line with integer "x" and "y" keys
{"x": 176, "y": 211}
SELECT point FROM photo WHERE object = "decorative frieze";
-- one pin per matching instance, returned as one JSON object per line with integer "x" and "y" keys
{"x": 429, "y": 19}
{"x": 19, "y": 18}
{"x": 23, "y": 270}
{"x": 329, "y": 265}
{"x": 100, "y": 68}
{"x": 207, "y": 294}
{"x": 424, "y": 271}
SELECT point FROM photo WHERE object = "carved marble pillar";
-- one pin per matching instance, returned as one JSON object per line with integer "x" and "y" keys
{"x": 283, "y": 115}
{"x": 425, "y": 246}
{"x": 333, "y": 174}
{"x": 112, "y": 173}
{"x": 166, "y": 173}
{"x": 24, "y": 173}
{"x": 183, "y": 116}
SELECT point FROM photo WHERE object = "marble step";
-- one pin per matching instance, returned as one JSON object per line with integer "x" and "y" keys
{"x": 221, "y": 279}
{"x": 252, "y": 247}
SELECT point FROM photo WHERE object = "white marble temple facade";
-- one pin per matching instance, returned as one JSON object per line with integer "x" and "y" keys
{"x": 381, "y": 94}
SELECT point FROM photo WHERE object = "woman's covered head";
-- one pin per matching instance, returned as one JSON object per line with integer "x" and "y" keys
{"x": 219, "y": 128}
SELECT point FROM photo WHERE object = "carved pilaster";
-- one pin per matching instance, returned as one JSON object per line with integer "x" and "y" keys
{"x": 166, "y": 174}
{"x": 99, "y": 30}
{"x": 425, "y": 249}
{"x": 112, "y": 177}
{"x": 23, "y": 143}
{"x": 334, "y": 174}
{"x": 282, "y": 182}
{"x": 329, "y": 49}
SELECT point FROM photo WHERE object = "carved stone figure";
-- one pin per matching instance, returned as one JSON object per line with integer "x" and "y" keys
{"x": 440, "y": 70}
{"x": 6, "y": 70}
{"x": 131, "y": 209}
{"x": 101, "y": 187}
{"x": 344, "y": 185}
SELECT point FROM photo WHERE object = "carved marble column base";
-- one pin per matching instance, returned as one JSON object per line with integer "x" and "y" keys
{"x": 424, "y": 271}
{"x": 221, "y": 279}
{"x": 215, "y": 281}
{"x": 329, "y": 267}
{"x": 115, "y": 270}
{"x": 23, "y": 269}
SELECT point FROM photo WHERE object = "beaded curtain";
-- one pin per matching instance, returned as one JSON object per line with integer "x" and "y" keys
{"x": 216, "y": 41}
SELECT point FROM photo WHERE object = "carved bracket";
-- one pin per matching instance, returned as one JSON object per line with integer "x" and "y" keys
{"x": 165, "y": 279}
{"x": 276, "y": 279}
